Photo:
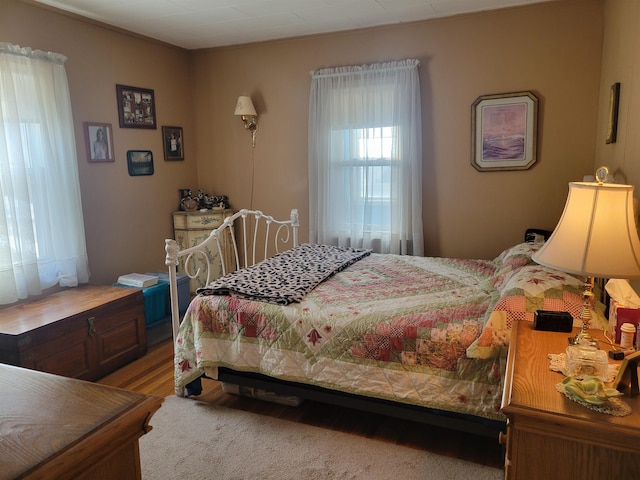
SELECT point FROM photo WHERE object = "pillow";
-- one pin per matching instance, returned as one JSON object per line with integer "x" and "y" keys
{"x": 518, "y": 254}
{"x": 511, "y": 260}
{"x": 536, "y": 279}
{"x": 530, "y": 288}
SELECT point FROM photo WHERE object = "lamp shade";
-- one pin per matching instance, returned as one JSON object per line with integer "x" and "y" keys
{"x": 244, "y": 106}
{"x": 596, "y": 235}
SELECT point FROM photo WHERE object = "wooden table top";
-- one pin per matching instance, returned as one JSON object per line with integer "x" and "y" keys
{"x": 44, "y": 416}
{"x": 28, "y": 316}
{"x": 531, "y": 389}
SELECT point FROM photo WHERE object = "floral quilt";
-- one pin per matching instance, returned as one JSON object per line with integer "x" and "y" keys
{"x": 389, "y": 326}
{"x": 418, "y": 330}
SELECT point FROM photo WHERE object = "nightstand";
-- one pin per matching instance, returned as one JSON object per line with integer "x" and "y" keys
{"x": 549, "y": 436}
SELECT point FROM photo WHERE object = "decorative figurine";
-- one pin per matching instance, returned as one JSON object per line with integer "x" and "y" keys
{"x": 202, "y": 201}
{"x": 184, "y": 193}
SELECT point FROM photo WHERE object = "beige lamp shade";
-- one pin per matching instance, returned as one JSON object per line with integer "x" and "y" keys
{"x": 245, "y": 107}
{"x": 596, "y": 235}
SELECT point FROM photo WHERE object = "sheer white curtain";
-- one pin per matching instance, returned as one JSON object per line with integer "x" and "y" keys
{"x": 365, "y": 157}
{"x": 42, "y": 239}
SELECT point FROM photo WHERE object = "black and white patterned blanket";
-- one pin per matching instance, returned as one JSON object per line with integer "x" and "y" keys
{"x": 288, "y": 276}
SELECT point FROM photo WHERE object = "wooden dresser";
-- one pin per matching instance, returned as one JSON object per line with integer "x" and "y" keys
{"x": 61, "y": 428}
{"x": 191, "y": 228}
{"x": 551, "y": 437}
{"x": 84, "y": 332}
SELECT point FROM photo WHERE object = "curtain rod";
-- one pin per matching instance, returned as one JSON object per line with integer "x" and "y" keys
{"x": 17, "y": 50}
{"x": 374, "y": 67}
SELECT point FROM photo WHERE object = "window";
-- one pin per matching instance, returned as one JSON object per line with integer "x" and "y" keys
{"x": 369, "y": 162}
{"x": 41, "y": 228}
{"x": 365, "y": 158}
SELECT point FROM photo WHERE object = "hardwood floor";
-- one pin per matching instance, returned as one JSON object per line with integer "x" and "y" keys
{"x": 153, "y": 374}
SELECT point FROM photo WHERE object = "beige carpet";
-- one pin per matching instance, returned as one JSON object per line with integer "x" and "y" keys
{"x": 195, "y": 440}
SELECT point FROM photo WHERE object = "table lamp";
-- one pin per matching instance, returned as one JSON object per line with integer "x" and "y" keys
{"x": 595, "y": 237}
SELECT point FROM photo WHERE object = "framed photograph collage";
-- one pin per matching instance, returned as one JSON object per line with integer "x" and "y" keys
{"x": 136, "y": 109}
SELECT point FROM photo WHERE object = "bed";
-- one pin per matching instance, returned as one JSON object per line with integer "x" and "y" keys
{"x": 421, "y": 338}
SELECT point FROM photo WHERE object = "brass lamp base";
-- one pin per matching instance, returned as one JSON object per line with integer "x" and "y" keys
{"x": 583, "y": 337}
{"x": 579, "y": 339}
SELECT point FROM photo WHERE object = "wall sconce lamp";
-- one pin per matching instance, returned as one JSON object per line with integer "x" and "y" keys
{"x": 246, "y": 110}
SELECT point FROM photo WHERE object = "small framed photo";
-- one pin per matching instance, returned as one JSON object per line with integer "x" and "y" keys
{"x": 614, "y": 101}
{"x": 136, "y": 107}
{"x": 140, "y": 162}
{"x": 98, "y": 139}
{"x": 627, "y": 378}
{"x": 172, "y": 141}
{"x": 504, "y": 130}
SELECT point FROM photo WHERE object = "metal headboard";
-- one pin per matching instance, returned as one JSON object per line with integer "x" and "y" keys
{"x": 243, "y": 239}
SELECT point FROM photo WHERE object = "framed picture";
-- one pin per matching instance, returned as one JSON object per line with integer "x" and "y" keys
{"x": 136, "y": 107}
{"x": 614, "y": 100}
{"x": 627, "y": 377}
{"x": 504, "y": 130}
{"x": 140, "y": 162}
{"x": 172, "y": 141}
{"x": 98, "y": 139}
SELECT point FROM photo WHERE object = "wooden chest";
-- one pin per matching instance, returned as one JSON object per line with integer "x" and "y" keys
{"x": 84, "y": 332}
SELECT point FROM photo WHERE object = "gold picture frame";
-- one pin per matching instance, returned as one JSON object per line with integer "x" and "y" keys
{"x": 614, "y": 102}
{"x": 504, "y": 131}
{"x": 627, "y": 377}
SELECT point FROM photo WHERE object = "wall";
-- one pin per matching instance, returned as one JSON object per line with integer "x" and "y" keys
{"x": 126, "y": 218}
{"x": 553, "y": 49}
{"x": 621, "y": 63}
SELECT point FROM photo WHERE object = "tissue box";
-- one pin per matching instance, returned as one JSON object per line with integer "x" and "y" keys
{"x": 619, "y": 314}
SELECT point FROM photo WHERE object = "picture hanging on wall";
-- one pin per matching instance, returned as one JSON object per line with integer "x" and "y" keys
{"x": 504, "y": 130}
{"x": 98, "y": 139}
{"x": 614, "y": 101}
{"x": 140, "y": 162}
{"x": 627, "y": 377}
{"x": 173, "y": 143}
{"x": 136, "y": 107}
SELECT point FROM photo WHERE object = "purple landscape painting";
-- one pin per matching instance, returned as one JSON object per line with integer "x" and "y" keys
{"x": 504, "y": 132}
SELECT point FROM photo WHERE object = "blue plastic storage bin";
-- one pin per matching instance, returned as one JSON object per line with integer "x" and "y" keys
{"x": 155, "y": 302}
{"x": 184, "y": 294}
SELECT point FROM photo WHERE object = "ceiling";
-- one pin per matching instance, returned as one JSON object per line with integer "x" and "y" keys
{"x": 194, "y": 24}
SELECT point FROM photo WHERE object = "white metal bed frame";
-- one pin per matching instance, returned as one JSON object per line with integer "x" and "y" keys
{"x": 284, "y": 234}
